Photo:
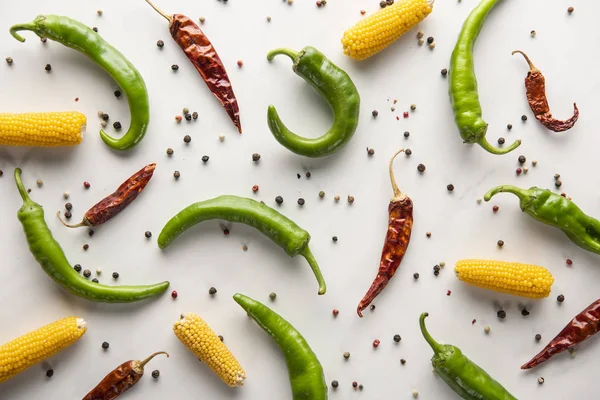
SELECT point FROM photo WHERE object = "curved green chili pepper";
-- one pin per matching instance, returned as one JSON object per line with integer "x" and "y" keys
{"x": 79, "y": 37}
{"x": 336, "y": 87}
{"x": 281, "y": 230}
{"x": 53, "y": 261}
{"x": 463, "y": 83}
{"x": 463, "y": 376}
{"x": 305, "y": 370}
{"x": 557, "y": 211}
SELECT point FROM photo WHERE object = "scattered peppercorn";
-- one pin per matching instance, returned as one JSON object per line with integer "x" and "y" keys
{"x": 87, "y": 273}
{"x": 428, "y": 234}
{"x": 501, "y": 314}
{"x": 298, "y": 176}
{"x": 105, "y": 345}
{"x": 569, "y": 261}
{"x": 375, "y": 113}
{"x": 95, "y": 29}
{"x": 487, "y": 329}
{"x": 115, "y": 275}
{"x": 421, "y": 168}
{"x": 402, "y": 361}
{"x": 178, "y": 118}
{"x": 39, "y": 182}
{"x": 444, "y": 72}
{"x": 376, "y": 343}
{"x": 9, "y": 60}
{"x": 558, "y": 183}
{"x": 560, "y": 298}
{"x": 408, "y": 152}
{"x": 372, "y": 307}
{"x": 370, "y": 151}
{"x": 188, "y": 117}
{"x": 522, "y": 160}
{"x": 205, "y": 159}
{"x": 49, "y": 373}
{"x": 501, "y": 140}
{"x": 519, "y": 171}
{"x": 541, "y": 380}
{"x": 495, "y": 209}
{"x": 160, "y": 43}
{"x": 524, "y": 312}
{"x": 255, "y": 157}
{"x": 68, "y": 215}
{"x": 117, "y": 125}
{"x": 255, "y": 188}
{"x": 98, "y": 271}
{"x": 361, "y": 387}
{"x": 335, "y": 239}
{"x": 406, "y": 134}
{"x": 509, "y": 127}
{"x": 346, "y": 355}
{"x": 538, "y": 337}
{"x": 226, "y": 232}
{"x": 272, "y": 295}
{"x": 523, "y": 117}
{"x": 570, "y": 10}
{"x": 405, "y": 114}
{"x": 532, "y": 33}
{"x": 416, "y": 275}
{"x": 335, "y": 384}
{"x": 2, "y": 173}
{"x": 174, "y": 294}
{"x": 176, "y": 174}
{"x": 336, "y": 198}
{"x": 500, "y": 243}
{"x": 170, "y": 151}
{"x": 194, "y": 115}
{"x": 103, "y": 116}
{"x": 86, "y": 246}
{"x": 354, "y": 384}
{"x": 86, "y": 185}
{"x": 95, "y": 280}
{"x": 450, "y": 187}
{"x": 77, "y": 267}
{"x": 174, "y": 67}
{"x": 187, "y": 139}
{"x": 397, "y": 338}
{"x": 212, "y": 291}
{"x": 430, "y": 39}
{"x": 48, "y": 67}
{"x": 279, "y": 199}
{"x": 321, "y": 194}
{"x": 148, "y": 234}
{"x": 155, "y": 374}
{"x": 415, "y": 393}
{"x": 382, "y": 4}
{"x": 350, "y": 199}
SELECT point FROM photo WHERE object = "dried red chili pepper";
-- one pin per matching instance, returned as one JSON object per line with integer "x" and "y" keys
{"x": 113, "y": 204}
{"x": 396, "y": 241}
{"x": 535, "y": 84}
{"x": 203, "y": 55}
{"x": 584, "y": 325}
{"x": 120, "y": 379}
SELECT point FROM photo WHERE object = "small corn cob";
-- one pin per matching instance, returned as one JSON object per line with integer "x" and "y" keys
{"x": 506, "y": 277}
{"x": 48, "y": 129}
{"x": 39, "y": 345}
{"x": 376, "y": 32}
{"x": 197, "y": 336}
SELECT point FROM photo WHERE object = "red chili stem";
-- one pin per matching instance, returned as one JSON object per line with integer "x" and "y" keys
{"x": 150, "y": 357}
{"x": 82, "y": 223}
{"x": 158, "y": 10}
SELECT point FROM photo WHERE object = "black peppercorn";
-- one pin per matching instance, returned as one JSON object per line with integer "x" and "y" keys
{"x": 450, "y": 187}
{"x": 212, "y": 291}
{"x": 375, "y": 113}
{"x": 279, "y": 199}
{"x": 334, "y": 238}
{"x": 524, "y": 312}
{"x": 255, "y": 157}
{"x": 408, "y": 152}
{"x": 397, "y": 338}
{"x": 421, "y": 168}
{"x": 174, "y": 67}
{"x": 444, "y": 72}
{"x": 187, "y": 139}
{"x": 335, "y": 384}
{"x": 48, "y": 67}
{"x": 205, "y": 159}
{"x": 77, "y": 267}
{"x": 95, "y": 280}
{"x": 416, "y": 275}
{"x": 301, "y": 201}
{"x": 538, "y": 337}
{"x": 117, "y": 93}
{"x": 148, "y": 234}
{"x": 501, "y": 140}
{"x": 155, "y": 374}
{"x": 49, "y": 373}
{"x": 160, "y": 43}
{"x": 117, "y": 125}
{"x": 105, "y": 345}
{"x": 406, "y": 134}
{"x": 560, "y": 298}
{"x": 501, "y": 314}
{"x": 115, "y": 275}
{"x": 188, "y": 117}
{"x": 430, "y": 40}
{"x": 522, "y": 160}
{"x": 69, "y": 206}
{"x": 194, "y": 115}
{"x": 523, "y": 117}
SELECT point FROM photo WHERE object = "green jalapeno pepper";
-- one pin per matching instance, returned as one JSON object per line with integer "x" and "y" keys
{"x": 53, "y": 261}
{"x": 337, "y": 89}
{"x": 463, "y": 376}
{"x": 305, "y": 370}
{"x": 281, "y": 230}
{"x": 557, "y": 211}
{"x": 463, "y": 83}
{"x": 80, "y": 37}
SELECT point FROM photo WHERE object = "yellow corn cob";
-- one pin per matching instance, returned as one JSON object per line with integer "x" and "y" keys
{"x": 376, "y": 32}
{"x": 39, "y": 345}
{"x": 48, "y": 129}
{"x": 506, "y": 277}
{"x": 197, "y": 336}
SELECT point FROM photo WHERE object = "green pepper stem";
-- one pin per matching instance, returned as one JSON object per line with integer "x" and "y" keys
{"x": 294, "y": 55}
{"x": 495, "y": 150}
{"x": 22, "y": 190}
{"x": 522, "y": 194}
{"x": 161, "y": 12}
{"x": 437, "y": 348}
{"x": 150, "y": 357}
{"x": 306, "y": 253}
{"x": 29, "y": 26}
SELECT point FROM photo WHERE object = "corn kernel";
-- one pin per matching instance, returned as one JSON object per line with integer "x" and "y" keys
{"x": 197, "y": 336}
{"x": 48, "y": 129}
{"x": 376, "y": 32}
{"x": 39, "y": 345}
{"x": 506, "y": 277}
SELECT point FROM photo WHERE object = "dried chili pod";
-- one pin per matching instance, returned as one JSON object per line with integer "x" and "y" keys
{"x": 203, "y": 55}
{"x": 120, "y": 379}
{"x": 113, "y": 204}
{"x": 535, "y": 84}
{"x": 400, "y": 224}
{"x": 584, "y": 325}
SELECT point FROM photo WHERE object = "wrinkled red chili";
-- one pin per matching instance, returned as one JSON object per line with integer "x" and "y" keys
{"x": 120, "y": 379}
{"x": 203, "y": 55}
{"x": 535, "y": 85}
{"x": 396, "y": 242}
{"x": 584, "y": 325}
{"x": 113, "y": 204}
